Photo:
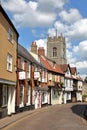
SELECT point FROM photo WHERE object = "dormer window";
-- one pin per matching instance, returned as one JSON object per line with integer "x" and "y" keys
{"x": 54, "y": 52}
{"x": 10, "y": 35}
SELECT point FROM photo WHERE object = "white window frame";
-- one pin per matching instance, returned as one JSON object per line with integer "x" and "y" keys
{"x": 50, "y": 76}
{"x": 4, "y": 97}
{"x": 21, "y": 95}
{"x": 28, "y": 95}
{"x": 22, "y": 64}
{"x": 10, "y": 35}
{"x": 9, "y": 62}
{"x": 28, "y": 70}
{"x": 35, "y": 68}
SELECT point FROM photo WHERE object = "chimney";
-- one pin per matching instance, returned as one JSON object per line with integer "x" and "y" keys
{"x": 41, "y": 51}
{"x": 34, "y": 47}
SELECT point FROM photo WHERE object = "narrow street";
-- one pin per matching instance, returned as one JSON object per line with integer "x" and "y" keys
{"x": 57, "y": 117}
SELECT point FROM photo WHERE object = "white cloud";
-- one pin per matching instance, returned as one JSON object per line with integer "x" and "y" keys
{"x": 81, "y": 64}
{"x": 33, "y": 13}
{"x": 42, "y": 43}
{"x": 78, "y": 30}
{"x": 81, "y": 50}
{"x": 82, "y": 67}
{"x": 70, "y": 58}
{"x": 15, "y": 6}
{"x": 71, "y": 16}
{"x": 50, "y": 5}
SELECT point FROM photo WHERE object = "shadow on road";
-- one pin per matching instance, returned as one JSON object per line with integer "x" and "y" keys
{"x": 80, "y": 109}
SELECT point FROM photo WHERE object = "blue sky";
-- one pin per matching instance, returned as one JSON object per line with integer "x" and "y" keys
{"x": 35, "y": 19}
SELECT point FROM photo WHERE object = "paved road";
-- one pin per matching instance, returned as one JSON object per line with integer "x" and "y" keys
{"x": 58, "y": 117}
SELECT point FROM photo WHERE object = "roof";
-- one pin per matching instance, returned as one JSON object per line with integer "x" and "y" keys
{"x": 23, "y": 52}
{"x": 8, "y": 19}
{"x": 46, "y": 63}
{"x": 58, "y": 69}
{"x": 64, "y": 67}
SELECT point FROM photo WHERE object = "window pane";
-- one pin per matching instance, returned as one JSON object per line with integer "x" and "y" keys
{"x": 10, "y": 35}
{"x": 28, "y": 95}
{"x": 22, "y": 64}
{"x": 4, "y": 95}
{"x": 9, "y": 62}
{"x": 21, "y": 94}
{"x": 28, "y": 70}
{"x": 54, "y": 52}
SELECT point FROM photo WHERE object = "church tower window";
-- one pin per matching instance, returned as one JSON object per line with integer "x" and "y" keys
{"x": 54, "y": 51}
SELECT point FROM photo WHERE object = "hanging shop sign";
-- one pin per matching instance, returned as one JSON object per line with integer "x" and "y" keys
{"x": 22, "y": 75}
{"x": 36, "y": 75}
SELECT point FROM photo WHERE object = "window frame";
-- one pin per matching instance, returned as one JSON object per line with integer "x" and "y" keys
{"x": 21, "y": 95}
{"x": 4, "y": 95}
{"x": 28, "y": 70}
{"x": 9, "y": 62}
{"x": 54, "y": 52}
{"x": 10, "y": 35}
{"x": 28, "y": 95}
{"x": 22, "y": 64}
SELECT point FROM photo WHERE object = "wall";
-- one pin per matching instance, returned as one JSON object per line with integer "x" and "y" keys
{"x": 7, "y": 47}
{"x": 84, "y": 89}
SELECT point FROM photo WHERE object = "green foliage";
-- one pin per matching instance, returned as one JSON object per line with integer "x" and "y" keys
{"x": 84, "y": 96}
{"x": 85, "y": 80}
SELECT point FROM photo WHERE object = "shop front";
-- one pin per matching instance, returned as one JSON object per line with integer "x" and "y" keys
{"x": 40, "y": 97}
{"x": 7, "y": 98}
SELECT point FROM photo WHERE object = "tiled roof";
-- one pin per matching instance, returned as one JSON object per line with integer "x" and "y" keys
{"x": 64, "y": 67}
{"x": 46, "y": 63}
{"x": 58, "y": 69}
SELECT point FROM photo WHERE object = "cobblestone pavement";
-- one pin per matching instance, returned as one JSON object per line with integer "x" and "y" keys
{"x": 57, "y": 117}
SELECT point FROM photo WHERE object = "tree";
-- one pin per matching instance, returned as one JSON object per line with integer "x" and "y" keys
{"x": 85, "y": 80}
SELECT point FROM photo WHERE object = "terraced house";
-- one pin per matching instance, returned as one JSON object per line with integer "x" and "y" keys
{"x": 8, "y": 56}
{"x": 55, "y": 77}
{"x": 32, "y": 82}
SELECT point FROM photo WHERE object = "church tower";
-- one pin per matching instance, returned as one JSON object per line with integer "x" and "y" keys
{"x": 56, "y": 49}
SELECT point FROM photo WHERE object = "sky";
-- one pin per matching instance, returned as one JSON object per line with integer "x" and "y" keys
{"x": 36, "y": 19}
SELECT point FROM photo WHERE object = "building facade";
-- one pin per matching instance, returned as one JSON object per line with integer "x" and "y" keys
{"x": 55, "y": 77}
{"x": 8, "y": 56}
{"x": 32, "y": 88}
{"x": 68, "y": 83}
